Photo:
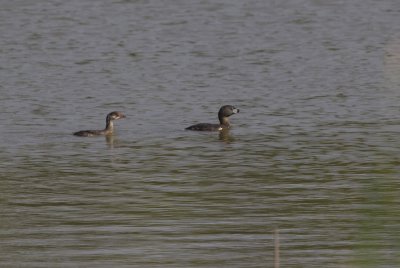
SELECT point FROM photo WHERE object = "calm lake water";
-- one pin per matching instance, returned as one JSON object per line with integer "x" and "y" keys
{"x": 313, "y": 154}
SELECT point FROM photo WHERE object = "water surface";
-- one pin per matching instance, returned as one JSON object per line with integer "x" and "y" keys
{"x": 313, "y": 152}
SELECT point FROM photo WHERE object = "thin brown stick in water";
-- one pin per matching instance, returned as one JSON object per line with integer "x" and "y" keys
{"x": 276, "y": 249}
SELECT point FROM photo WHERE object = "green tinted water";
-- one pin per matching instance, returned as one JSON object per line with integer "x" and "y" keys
{"x": 313, "y": 152}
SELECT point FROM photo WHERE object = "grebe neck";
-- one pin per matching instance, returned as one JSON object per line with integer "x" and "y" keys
{"x": 109, "y": 126}
{"x": 224, "y": 122}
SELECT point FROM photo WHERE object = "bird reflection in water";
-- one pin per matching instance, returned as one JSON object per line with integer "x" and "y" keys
{"x": 225, "y": 136}
{"x": 110, "y": 141}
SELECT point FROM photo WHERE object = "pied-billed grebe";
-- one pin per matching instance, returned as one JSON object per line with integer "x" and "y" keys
{"x": 223, "y": 114}
{"x": 107, "y": 131}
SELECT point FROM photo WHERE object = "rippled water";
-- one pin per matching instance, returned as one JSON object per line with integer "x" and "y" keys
{"x": 313, "y": 153}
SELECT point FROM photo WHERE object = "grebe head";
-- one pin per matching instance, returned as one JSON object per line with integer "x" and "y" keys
{"x": 224, "y": 113}
{"x": 227, "y": 110}
{"x": 115, "y": 115}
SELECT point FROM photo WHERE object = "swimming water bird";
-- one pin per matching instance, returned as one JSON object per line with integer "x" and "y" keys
{"x": 223, "y": 114}
{"x": 107, "y": 131}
